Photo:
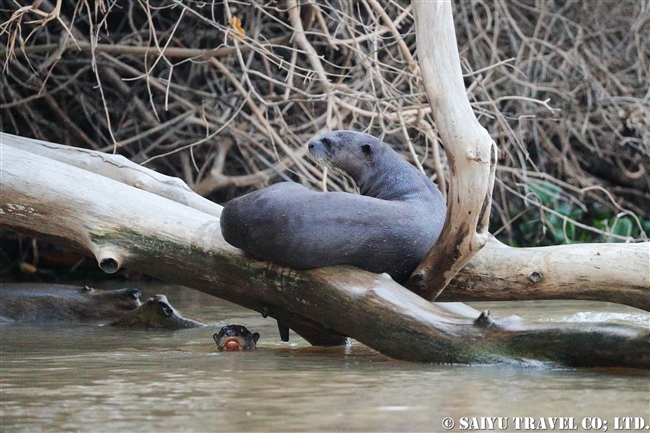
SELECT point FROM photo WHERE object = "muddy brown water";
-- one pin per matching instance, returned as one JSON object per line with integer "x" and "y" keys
{"x": 86, "y": 377}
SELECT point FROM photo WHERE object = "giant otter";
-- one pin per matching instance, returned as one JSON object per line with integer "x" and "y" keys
{"x": 235, "y": 337}
{"x": 389, "y": 228}
{"x": 156, "y": 313}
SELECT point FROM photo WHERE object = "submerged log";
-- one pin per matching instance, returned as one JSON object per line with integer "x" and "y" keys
{"x": 125, "y": 226}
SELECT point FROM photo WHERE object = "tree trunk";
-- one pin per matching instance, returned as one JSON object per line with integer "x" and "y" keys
{"x": 605, "y": 272}
{"x": 124, "y": 226}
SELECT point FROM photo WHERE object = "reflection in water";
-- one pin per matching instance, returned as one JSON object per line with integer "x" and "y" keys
{"x": 93, "y": 378}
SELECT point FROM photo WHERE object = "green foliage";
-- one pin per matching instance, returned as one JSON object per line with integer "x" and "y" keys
{"x": 551, "y": 216}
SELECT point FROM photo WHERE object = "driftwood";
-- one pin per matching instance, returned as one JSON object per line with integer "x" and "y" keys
{"x": 118, "y": 168}
{"x": 471, "y": 153}
{"x": 178, "y": 239}
{"x": 124, "y": 226}
{"x": 617, "y": 273}
{"x": 597, "y": 272}
{"x": 614, "y": 272}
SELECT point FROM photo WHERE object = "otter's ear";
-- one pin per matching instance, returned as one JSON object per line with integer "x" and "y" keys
{"x": 366, "y": 149}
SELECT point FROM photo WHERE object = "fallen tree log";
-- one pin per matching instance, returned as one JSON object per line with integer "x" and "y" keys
{"x": 115, "y": 167}
{"x": 612, "y": 272}
{"x": 124, "y": 226}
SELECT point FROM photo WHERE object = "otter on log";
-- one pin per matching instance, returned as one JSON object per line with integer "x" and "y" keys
{"x": 389, "y": 228}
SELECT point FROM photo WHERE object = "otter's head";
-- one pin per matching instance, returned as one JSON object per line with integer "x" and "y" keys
{"x": 348, "y": 151}
{"x": 160, "y": 307}
{"x": 121, "y": 299}
{"x": 235, "y": 337}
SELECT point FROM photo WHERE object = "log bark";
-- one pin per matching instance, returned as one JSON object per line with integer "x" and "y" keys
{"x": 120, "y": 169}
{"x": 471, "y": 153}
{"x": 125, "y": 226}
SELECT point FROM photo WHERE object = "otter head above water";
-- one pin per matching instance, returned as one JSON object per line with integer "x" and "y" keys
{"x": 388, "y": 228}
{"x": 156, "y": 313}
{"x": 235, "y": 337}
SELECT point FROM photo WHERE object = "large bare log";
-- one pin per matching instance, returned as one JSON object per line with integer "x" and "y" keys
{"x": 613, "y": 272}
{"x": 115, "y": 167}
{"x": 598, "y": 272}
{"x": 124, "y": 226}
{"x": 471, "y": 153}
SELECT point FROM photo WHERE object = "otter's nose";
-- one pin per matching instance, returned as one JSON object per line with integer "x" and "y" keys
{"x": 311, "y": 145}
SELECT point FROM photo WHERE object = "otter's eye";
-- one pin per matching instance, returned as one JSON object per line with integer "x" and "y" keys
{"x": 166, "y": 309}
{"x": 327, "y": 143}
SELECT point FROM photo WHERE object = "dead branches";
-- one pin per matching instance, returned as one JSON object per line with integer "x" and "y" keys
{"x": 560, "y": 90}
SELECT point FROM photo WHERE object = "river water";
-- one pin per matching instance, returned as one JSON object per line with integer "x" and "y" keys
{"x": 86, "y": 377}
